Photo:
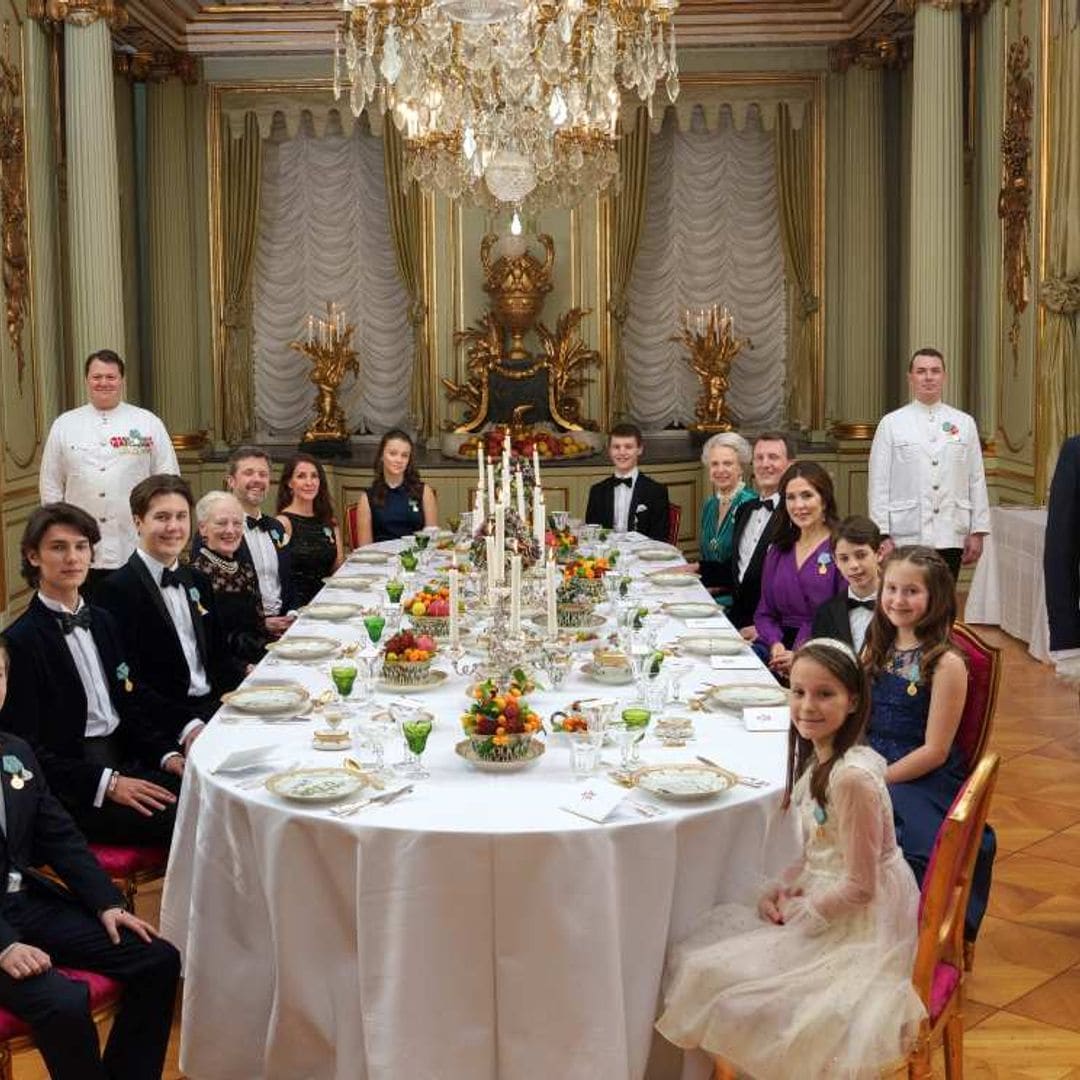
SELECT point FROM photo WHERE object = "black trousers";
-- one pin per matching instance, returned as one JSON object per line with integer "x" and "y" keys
{"x": 58, "y": 1009}
{"x": 111, "y": 823}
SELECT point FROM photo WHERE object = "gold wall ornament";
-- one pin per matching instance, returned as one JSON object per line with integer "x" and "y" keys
{"x": 79, "y": 12}
{"x": 709, "y": 337}
{"x": 1014, "y": 200}
{"x": 517, "y": 283}
{"x": 16, "y": 260}
{"x": 328, "y": 345}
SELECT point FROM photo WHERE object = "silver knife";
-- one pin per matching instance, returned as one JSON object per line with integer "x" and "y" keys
{"x": 390, "y": 796}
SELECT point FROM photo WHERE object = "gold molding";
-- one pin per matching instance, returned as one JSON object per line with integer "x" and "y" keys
{"x": 853, "y": 430}
{"x": 79, "y": 12}
{"x": 194, "y": 440}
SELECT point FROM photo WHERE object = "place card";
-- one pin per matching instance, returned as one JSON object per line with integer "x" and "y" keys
{"x": 595, "y": 800}
{"x": 743, "y": 662}
{"x": 773, "y": 718}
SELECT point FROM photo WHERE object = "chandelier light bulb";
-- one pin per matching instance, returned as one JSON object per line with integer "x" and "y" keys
{"x": 515, "y": 224}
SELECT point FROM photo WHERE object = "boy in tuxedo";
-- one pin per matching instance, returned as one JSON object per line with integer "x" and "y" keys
{"x": 166, "y": 613}
{"x": 629, "y": 501}
{"x": 84, "y": 925}
{"x": 847, "y": 615}
{"x": 74, "y": 699}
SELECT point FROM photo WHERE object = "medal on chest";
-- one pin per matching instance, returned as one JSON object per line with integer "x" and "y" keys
{"x": 19, "y": 773}
{"x": 823, "y": 561}
{"x": 820, "y": 817}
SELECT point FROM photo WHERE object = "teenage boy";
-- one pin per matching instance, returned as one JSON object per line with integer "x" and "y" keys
{"x": 83, "y": 925}
{"x": 265, "y": 545}
{"x": 628, "y": 501}
{"x": 73, "y": 696}
{"x": 857, "y": 552}
{"x": 753, "y": 526}
{"x": 166, "y": 611}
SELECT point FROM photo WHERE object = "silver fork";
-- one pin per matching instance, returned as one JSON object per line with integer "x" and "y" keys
{"x": 746, "y": 781}
{"x": 348, "y": 809}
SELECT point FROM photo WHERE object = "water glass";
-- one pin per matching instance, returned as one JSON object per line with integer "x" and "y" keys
{"x": 394, "y": 588}
{"x": 636, "y": 718}
{"x": 585, "y": 753}
{"x": 367, "y": 666}
{"x": 374, "y": 625}
{"x": 343, "y": 676}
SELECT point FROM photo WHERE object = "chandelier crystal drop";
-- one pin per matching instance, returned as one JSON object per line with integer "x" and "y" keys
{"x": 506, "y": 101}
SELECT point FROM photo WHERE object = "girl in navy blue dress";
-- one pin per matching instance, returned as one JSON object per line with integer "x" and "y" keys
{"x": 919, "y": 689}
{"x": 398, "y": 503}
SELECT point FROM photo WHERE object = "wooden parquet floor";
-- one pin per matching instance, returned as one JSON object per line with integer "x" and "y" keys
{"x": 1023, "y": 1011}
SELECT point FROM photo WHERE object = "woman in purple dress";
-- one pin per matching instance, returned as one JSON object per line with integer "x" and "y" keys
{"x": 799, "y": 573}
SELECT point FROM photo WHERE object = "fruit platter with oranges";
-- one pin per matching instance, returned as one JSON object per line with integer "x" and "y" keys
{"x": 407, "y": 657}
{"x": 429, "y": 609}
{"x": 548, "y": 444}
{"x": 499, "y": 722}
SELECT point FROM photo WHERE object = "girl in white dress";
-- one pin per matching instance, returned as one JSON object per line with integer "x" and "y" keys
{"x": 817, "y": 981}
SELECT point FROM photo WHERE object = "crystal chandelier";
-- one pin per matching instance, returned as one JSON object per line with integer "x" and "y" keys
{"x": 506, "y": 101}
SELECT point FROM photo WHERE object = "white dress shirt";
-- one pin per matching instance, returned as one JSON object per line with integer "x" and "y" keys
{"x": 859, "y": 620}
{"x": 751, "y": 534}
{"x": 620, "y": 511}
{"x": 927, "y": 484}
{"x": 265, "y": 560}
{"x": 101, "y": 717}
{"x": 93, "y": 458}
{"x": 176, "y": 603}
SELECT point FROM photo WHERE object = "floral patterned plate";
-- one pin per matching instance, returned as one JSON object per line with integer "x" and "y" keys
{"x": 315, "y": 785}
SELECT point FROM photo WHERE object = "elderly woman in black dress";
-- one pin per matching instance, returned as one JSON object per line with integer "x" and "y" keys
{"x": 220, "y": 519}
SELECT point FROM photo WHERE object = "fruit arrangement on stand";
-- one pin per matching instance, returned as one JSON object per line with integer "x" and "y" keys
{"x": 564, "y": 542}
{"x": 499, "y": 722}
{"x": 429, "y": 610}
{"x": 547, "y": 444}
{"x": 587, "y": 574}
{"x": 407, "y": 657}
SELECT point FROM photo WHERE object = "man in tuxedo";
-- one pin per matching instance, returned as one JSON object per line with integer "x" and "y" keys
{"x": 857, "y": 552}
{"x": 753, "y": 526}
{"x": 74, "y": 699}
{"x": 83, "y": 925}
{"x": 265, "y": 544}
{"x": 1061, "y": 559}
{"x": 166, "y": 613}
{"x": 629, "y": 501}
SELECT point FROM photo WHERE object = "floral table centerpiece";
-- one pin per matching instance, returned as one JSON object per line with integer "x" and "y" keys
{"x": 429, "y": 609}
{"x": 407, "y": 658}
{"x": 587, "y": 574}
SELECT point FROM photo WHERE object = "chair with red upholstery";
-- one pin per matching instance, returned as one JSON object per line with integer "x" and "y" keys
{"x": 131, "y": 865}
{"x": 984, "y": 678}
{"x": 939, "y": 971}
{"x": 352, "y": 525}
{"x": 674, "y": 520}
{"x": 15, "y": 1036}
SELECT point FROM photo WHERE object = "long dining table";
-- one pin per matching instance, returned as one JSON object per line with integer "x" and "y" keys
{"x": 473, "y": 928}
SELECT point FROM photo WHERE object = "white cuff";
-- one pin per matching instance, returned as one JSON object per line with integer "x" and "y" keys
{"x": 165, "y": 757}
{"x": 103, "y": 786}
{"x": 189, "y": 727}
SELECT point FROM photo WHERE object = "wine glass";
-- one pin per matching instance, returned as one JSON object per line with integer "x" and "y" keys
{"x": 394, "y": 588}
{"x": 415, "y": 729}
{"x": 376, "y": 732}
{"x": 636, "y": 718}
{"x": 343, "y": 676}
{"x": 374, "y": 624}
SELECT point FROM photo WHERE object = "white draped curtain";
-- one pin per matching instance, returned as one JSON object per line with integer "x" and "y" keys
{"x": 711, "y": 235}
{"x": 324, "y": 235}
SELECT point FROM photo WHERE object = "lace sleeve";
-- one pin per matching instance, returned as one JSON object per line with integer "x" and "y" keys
{"x": 855, "y": 799}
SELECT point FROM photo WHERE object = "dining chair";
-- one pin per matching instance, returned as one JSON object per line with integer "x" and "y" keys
{"x": 352, "y": 524}
{"x": 674, "y": 520}
{"x": 15, "y": 1035}
{"x": 984, "y": 677}
{"x": 131, "y": 865}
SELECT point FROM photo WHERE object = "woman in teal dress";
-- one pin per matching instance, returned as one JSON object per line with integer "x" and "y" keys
{"x": 726, "y": 456}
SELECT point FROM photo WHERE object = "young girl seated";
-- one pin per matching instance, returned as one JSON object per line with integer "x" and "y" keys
{"x": 817, "y": 981}
{"x": 919, "y": 688}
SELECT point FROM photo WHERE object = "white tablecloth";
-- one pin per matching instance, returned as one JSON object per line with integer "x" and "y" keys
{"x": 472, "y": 929}
{"x": 1008, "y": 589}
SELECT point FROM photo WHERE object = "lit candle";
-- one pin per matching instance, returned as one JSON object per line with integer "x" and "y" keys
{"x": 536, "y": 467}
{"x": 551, "y": 621}
{"x": 480, "y": 465}
{"x": 519, "y": 484}
{"x": 491, "y": 487}
{"x": 478, "y": 508}
{"x": 489, "y": 547}
{"x": 539, "y": 520}
{"x": 500, "y": 541}
{"x": 506, "y": 473}
{"x": 454, "y": 603}
{"x": 515, "y": 594}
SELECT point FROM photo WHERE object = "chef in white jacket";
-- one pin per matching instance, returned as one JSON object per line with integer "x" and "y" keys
{"x": 927, "y": 484}
{"x": 97, "y": 453}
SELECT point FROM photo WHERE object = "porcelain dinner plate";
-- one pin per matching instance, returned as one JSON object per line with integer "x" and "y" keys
{"x": 315, "y": 785}
{"x": 691, "y": 609}
{"x": 331, "y": 612}
{"x": 673, "y": 580}
{"x": 655, "y": 554}
{"x": 713, "y": 644}
{"x": 612, "y": 674}
{"x": 369, "y": 557}
{"x": 297, "y": 647}
{"x": 746, "y": 695}
{"x": 268, "y": 698}
{"x": 348, "y": 581}
{"x": 433, "y": 679}
{"x": 683, "y": 783}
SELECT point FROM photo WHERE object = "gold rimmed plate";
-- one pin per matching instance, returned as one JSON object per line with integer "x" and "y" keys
{"x": 745, "y": 696}
{"x": 331, "y": 612}
{"x": 315, "y": 785}
{"x": 684, "y": 782}
{"x": 300, "y": 647}
{"x": 268, "y": 699}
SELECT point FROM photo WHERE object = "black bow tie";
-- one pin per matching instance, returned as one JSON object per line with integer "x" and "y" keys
{"x": 852, "y": 603}
{"x": 627, "y": 480}
{"x": 262, "y": 522}
{"x": 170, "y": 578}
{"x": 763, "y": 504}
{"x": 81, "y": 618}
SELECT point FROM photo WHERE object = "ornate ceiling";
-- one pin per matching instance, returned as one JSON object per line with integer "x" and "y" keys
{"x": 307, "y": 26}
